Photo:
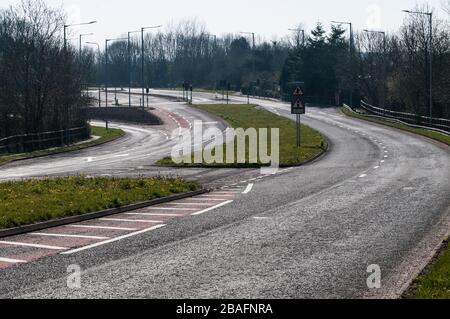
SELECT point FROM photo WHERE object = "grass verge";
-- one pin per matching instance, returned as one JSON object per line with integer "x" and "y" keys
{"x": 30, "y": 201}
{"x": 250, "y": 116}
{"x": 104, "y": 134}
{"x": 434, "y": 283}
{"x": 424, "y": 132}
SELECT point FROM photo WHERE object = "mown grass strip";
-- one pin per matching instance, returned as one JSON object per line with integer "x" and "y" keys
{"x": 104, "y": 134}
{"x": 31, "y": 201}
{"x": 250, "y": 116}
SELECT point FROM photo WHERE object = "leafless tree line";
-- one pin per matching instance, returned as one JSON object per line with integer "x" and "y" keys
{"x": 40, "y": 82}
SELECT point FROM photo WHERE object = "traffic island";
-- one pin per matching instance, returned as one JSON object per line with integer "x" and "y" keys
{"x": 39, "y": 200}
{"x": 245, "y": 117}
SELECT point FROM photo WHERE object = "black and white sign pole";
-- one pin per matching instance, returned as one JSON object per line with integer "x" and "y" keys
{"x": 298, "y": 108}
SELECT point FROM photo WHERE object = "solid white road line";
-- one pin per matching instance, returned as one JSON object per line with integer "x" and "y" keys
{"x": 171, "y": 208}
{"x": 363, "y": 175}
{"x": 68, "y": 236}
{"x": 208, "y": 196}
{"x": 11, "y": 261}
{"x": 111, "y": 240}
{"x": 12, "y": 243}
{"x": 189, "y": 204}
{"x": 131, "y": 220}
{"x": 101, "y": 227}
{"x": 212, "y": 208}
{"x": 248, "y": 189}
{"x": 154, "y": 214}
{"x": 210, "y": 199}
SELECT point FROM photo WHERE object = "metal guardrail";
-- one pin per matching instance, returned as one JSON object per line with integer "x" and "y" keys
{"x": 409, "y": 118}
{"x": 36, "y": 141}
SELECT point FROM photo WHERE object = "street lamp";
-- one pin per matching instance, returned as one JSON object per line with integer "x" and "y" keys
{"x": 99, "y": 89}
{"x": 254, "y": 55}
{"x": 430, "y": 59}
{"x": 129, "y": 66}
{"x": 142, "y": 57}
{"x": 66, "y": 26}
{"x": 385, "y": 66}
{"x": 83, "y": 35}
{"x": 106, "y": 64}
{"x": 351, "y": 57}
{"x": 298, "y": 36}
{"x": 74, "y": 25}
{"x": 214, "y": 62}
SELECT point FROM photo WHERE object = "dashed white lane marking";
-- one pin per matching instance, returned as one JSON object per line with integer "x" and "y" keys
{"x": 383, "y": 161}
{"x": 248, "y": 189}
{"x": 261, "y": 218}
{"x": 385, "y": 156}
{"x": 131, "y": 220}
{"x": 12, "y": 261}
{"x": 73, "y": 251}
{"x": 212, "y": 208}
{"x": 154, "y": 214}
{"x": 12, "y": 243}
{"x": 68, "y": 236}
{"x": 101, "y": 227}
{"x": 363, "y": 175}
{"x": 376, "y": 167}
{"x": 172, "y": 208}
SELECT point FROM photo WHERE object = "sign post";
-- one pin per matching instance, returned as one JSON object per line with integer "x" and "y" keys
{"x": 298, "y": 108}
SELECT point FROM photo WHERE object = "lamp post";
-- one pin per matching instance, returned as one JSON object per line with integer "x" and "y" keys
{"x": 351, "y": 58}
{"x": 66, "y": 26}
{"x": 142, "y": 58}
{"x": 385, "y": 66}
{"x": 254, "y": 54}
{"x": 99, "y": 89}
{"x": 430, "y": 59}
{"x": 106, "y": 64}
{"x": 298, "y": 36}
{"x": 81, "y": 36}
{"x": 129, "y": 66}
{"x": 214, "y": 62}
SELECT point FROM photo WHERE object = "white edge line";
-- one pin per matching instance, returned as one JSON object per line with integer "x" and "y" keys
{"x": 248, "y": 189}
{"x": 101, "y": 227}
{"x": 68, "y": 236}
{"x": 69, "y": 252}
{"x": 131, "y": 220}
{"x": 32, "y": 245}
{"x": 212, "y": 208}
{"x": 12, "y": 261}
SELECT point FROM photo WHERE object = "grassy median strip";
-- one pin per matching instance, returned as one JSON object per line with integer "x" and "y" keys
{"x": 30, "y": 201}
{"x": 250, "y": 116}
{"x": 103, "y": 134}
{"x": 424, "y": 132}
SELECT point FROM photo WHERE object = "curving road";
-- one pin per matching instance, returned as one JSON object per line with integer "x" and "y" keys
{"x": 378, "y": 197}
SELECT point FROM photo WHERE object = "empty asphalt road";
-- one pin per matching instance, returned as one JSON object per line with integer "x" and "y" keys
{"x": 378, "y": 197}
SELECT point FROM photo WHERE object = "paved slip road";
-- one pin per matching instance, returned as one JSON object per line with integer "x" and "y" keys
{"x": 379, "y": 196}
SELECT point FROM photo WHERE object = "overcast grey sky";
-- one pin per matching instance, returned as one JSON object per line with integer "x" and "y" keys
{"x": 268, "y": 18}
